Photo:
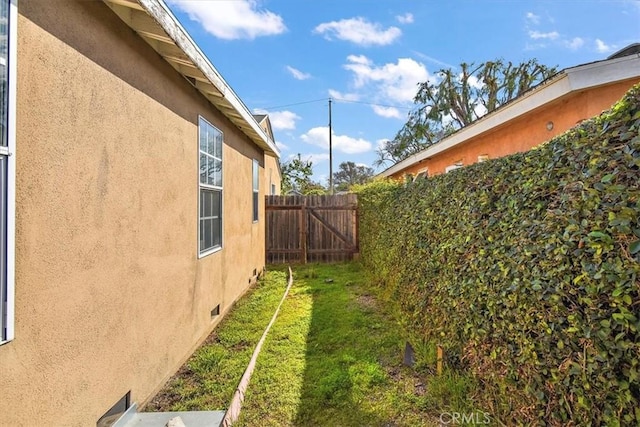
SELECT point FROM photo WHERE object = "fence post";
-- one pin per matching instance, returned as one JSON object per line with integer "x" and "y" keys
{"x": 303, "y": 230}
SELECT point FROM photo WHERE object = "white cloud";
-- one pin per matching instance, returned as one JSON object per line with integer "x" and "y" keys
{"x": 407, "y": 18}
{"x": 358, "y": 31}
{"x": 537, "y": 35}
{"x": 319, "y": 136}
{"x": 389, "y": 112}
{"x": 232, "y": 19}
{"x": 317, "y": 158}
{"x": 343, "y": 96}
{"x": 283, "y": 120}
{"x": 473, "y": 81}
{"x": 391, "y": 82}
{"x": 381, "y": 143}
{"x": 602, "y": 47}
{"x": 533, "y": 18}
{"x": 574, "y": 43}
{"x": 280, "y": 120}
{"x": 281, "y": 146}
{"x": 297, "y": 74}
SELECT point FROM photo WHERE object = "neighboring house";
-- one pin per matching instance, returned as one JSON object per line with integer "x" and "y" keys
{"x": 132, "y": 183}
{"x": 271, "y": 163}
{"x": 549, "y": 109}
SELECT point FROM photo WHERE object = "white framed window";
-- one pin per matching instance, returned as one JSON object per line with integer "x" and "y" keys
{"x": 8, "y": 40}
{"x": 210, "y": 188}
{"x": 256, "y": 188}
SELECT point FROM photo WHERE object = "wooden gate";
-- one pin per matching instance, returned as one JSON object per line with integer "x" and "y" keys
{"x": 311, "y": 228}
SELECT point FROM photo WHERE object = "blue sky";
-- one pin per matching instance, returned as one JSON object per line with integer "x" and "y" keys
{"x": 288, "y": 57}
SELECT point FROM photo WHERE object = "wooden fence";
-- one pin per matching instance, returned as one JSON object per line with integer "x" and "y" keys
{"x": 311, "y": 228}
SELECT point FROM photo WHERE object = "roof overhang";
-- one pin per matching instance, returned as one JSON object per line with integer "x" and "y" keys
{"x": 155, "y": 23}
{"x": 570, "y": 80}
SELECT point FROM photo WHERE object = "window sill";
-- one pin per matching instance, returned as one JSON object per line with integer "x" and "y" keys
{"x": 209, "y": 252}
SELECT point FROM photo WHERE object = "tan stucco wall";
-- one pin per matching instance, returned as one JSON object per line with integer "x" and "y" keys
{"x": 110, "y": 294}
{"x": 272, "y": 173}
{"x": 526, "y": 132}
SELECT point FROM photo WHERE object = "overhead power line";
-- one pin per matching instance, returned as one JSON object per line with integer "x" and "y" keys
{"x": 373, "y": 104}
{"x": 337, "y": 99}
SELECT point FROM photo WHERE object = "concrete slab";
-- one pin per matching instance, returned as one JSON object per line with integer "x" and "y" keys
{"x": 133, "y": 418}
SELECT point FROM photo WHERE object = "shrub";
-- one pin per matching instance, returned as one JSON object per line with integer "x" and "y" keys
{"x": 526, "y": 270}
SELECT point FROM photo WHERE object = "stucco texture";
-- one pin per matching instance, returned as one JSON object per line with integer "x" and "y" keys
{"x": 111, "y": 296}
{"x": 527, "y": 131}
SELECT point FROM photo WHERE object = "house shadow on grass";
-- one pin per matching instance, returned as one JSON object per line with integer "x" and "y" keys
{"x": 344, "y": 379}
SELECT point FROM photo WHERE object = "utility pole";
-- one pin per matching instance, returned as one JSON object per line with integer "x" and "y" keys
{"x": 330, "y": 153}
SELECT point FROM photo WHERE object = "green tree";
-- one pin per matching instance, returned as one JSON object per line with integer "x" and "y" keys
{"x": 457, "y": 98}
{"x": 351, "y": 174}
{"x": 296, "y": 176}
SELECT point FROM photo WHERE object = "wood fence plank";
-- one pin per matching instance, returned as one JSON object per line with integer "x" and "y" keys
{"x": 311, "y": 228}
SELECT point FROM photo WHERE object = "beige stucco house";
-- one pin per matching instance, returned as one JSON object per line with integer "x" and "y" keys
{"x": 272, "y": 183}
{"x": 132, "y": 184}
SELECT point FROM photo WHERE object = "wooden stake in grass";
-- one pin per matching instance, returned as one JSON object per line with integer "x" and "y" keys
{"x": 439, "y": 360}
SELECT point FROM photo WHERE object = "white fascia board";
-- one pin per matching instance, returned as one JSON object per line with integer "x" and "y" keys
{"x": 170, "y": 24}
{"x": 604, "y": 72}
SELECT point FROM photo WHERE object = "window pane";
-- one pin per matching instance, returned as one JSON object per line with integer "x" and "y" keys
{"x": 215, "y": 172}
{"x": 207, "y": 204}
{"x": 218, "y": 145}
{"x": 203, "y": 168}
{"x": 202, "y": 193}
{"x": 207, "y": 234}
{"x": 211, "y": 135}
{"x": 255, "y": 206}
{"x": 255, "y": 174}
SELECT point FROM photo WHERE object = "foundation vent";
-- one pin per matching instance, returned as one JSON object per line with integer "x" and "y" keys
{"x": 215, "y": 312}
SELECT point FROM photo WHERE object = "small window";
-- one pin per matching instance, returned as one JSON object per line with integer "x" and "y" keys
{"x": 8, "y": 33}
{"x": 210, "y": 209}
{"x": 256, "y": 189}
{"x": 273, "y": 189}
{"x": 483, "y": 158}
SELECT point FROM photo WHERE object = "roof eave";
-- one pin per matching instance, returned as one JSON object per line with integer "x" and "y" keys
{"x": 155, "y": 23}
{"x": 571, "y": 79}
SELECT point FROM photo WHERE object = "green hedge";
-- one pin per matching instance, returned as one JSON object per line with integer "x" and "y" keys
{"x": 526, "y": 270}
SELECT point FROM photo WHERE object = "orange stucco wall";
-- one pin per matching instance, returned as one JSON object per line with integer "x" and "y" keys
{"x": 110, "y": 295}
{"x": 525, "y": 132}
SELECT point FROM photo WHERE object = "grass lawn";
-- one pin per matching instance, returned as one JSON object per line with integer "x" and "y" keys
{"x": 333, "y": 357}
